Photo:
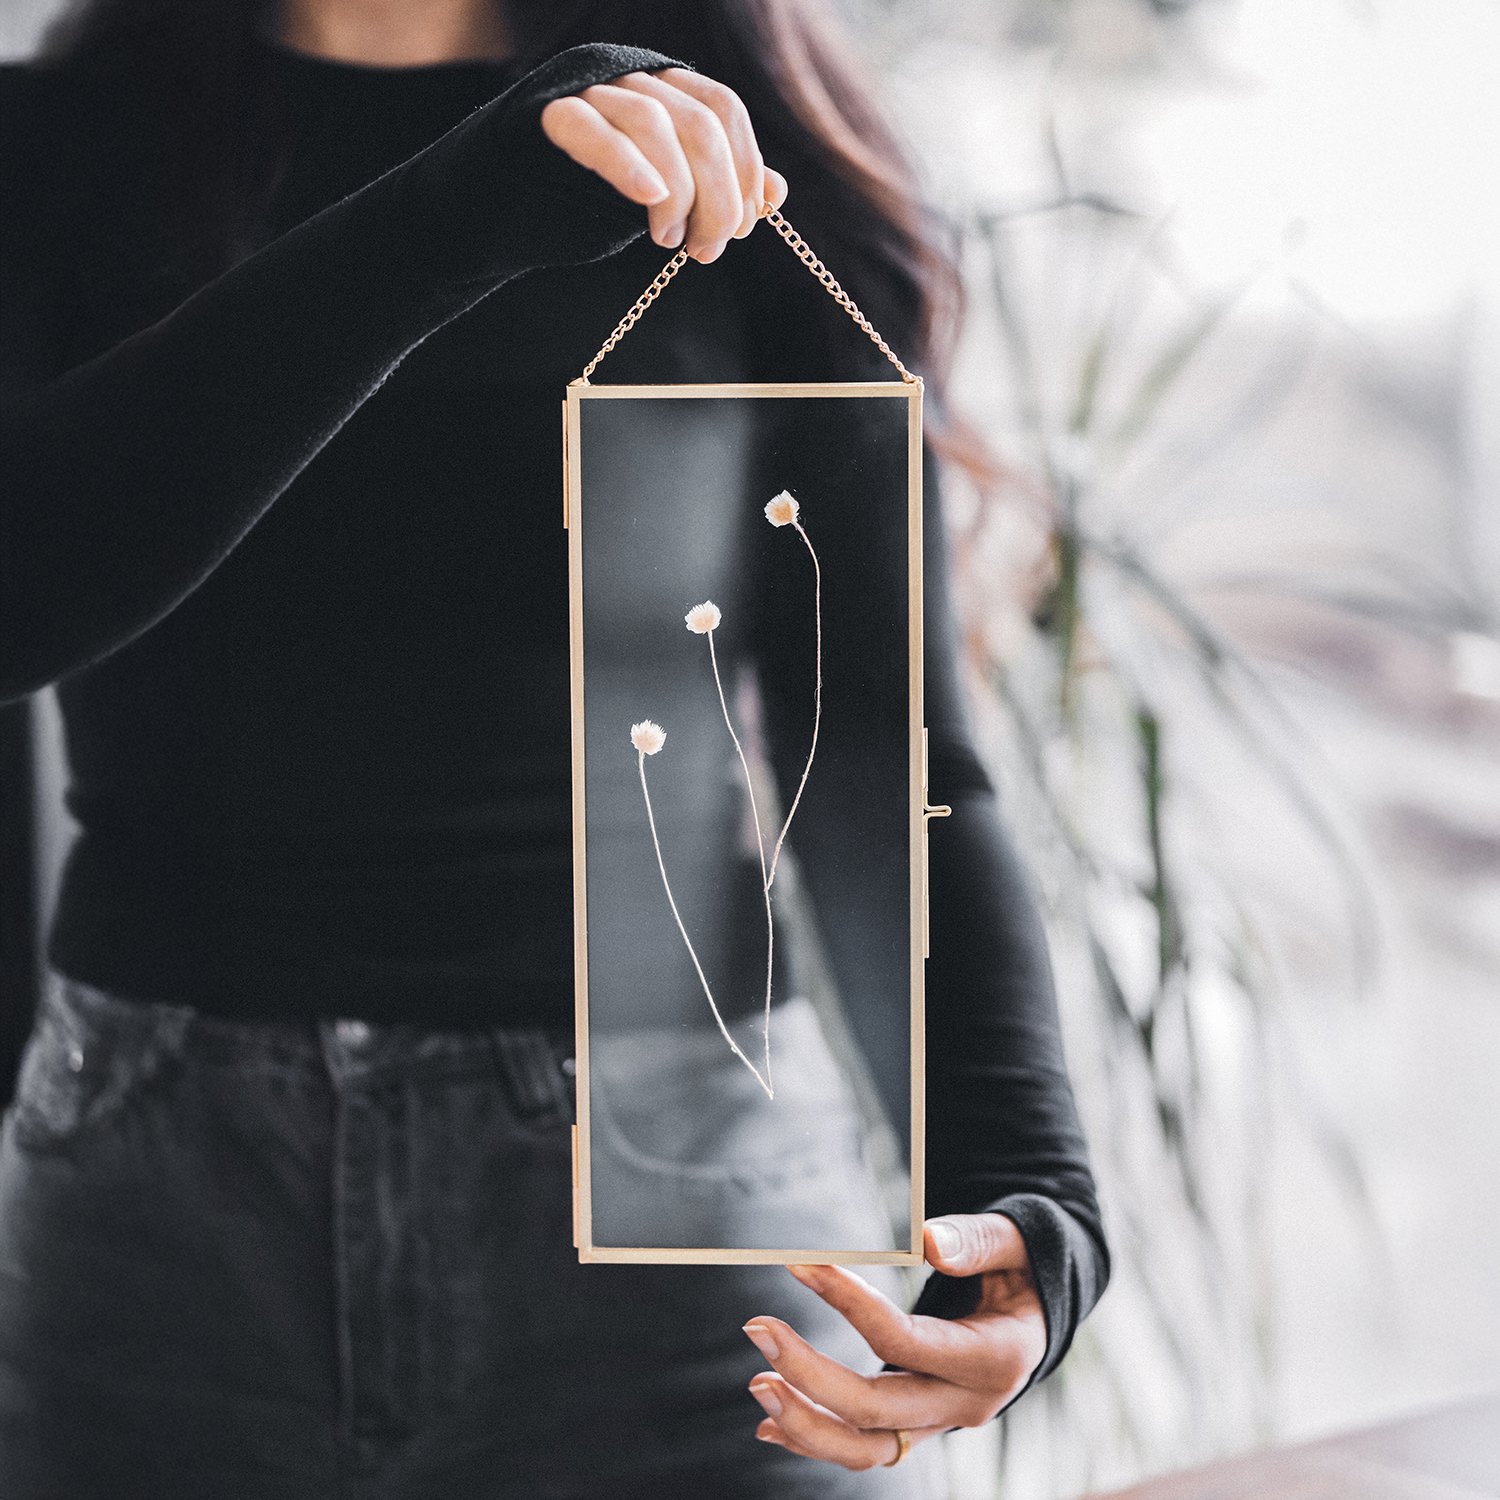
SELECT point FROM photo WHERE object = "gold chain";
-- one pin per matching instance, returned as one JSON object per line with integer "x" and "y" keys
{"x": 642, "y": 302}
{"x": 804, "y": 253}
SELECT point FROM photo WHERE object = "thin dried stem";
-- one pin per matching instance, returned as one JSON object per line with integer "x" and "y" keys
{"x": 662, "y": 866}
{"x": 760, "y": 844}
{"x": 817, "y": 699}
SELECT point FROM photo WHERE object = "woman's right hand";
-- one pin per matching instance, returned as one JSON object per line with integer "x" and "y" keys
{"x": 568, "y": 165}
{"x": 677, "y": 142}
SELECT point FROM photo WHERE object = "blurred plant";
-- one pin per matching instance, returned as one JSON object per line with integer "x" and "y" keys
{"x": 1135, "y": 729}
{"x": 1147, "y": 599}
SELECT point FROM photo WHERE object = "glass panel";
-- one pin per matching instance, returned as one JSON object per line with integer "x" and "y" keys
{"x": 749, "y": 743}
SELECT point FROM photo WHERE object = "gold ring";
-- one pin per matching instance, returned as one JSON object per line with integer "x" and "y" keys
{"x": 903, "y": 1447}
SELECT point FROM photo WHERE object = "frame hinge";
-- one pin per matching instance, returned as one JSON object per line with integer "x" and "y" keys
{"x": 575, "y": 1186}
{"x": 565, "y": 474}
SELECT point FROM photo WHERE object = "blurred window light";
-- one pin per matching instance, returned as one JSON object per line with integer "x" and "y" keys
{"x": 1474, "y": 664}
{"x": 1368, "y": 130}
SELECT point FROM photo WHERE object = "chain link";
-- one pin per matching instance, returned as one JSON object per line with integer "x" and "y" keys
{"x": 642, "y": 302}
{"x": 804, "y": 252}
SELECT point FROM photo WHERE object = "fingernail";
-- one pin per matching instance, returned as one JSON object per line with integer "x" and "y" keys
{"x": 747, "y": 219}
{"x": 947, "y": 1239}
{"x": 767, "y": 1398}
{"x": 760, "y": 1336}
{"x": 812, "y": 1275}
{"x": 667, "y": 234}
{"x": 676, "y": 232}
{"x": 654, "y": 186}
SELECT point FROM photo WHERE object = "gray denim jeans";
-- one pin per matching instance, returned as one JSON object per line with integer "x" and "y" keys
{"x": 335, "y": 1260}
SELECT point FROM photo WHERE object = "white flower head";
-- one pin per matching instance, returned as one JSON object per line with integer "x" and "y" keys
{"x": 648, "y": 736}
{"x": 702, "y": 618}
{"x": 781, "y": 510}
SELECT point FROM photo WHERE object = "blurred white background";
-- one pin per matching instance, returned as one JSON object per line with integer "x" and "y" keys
{"x": 1234, "y": 328}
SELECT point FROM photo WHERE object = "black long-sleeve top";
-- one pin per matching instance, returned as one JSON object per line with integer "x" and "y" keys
{"x": 287, "y": 543}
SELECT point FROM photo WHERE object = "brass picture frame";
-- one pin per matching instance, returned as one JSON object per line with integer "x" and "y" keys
{"x": 582, "y": 398}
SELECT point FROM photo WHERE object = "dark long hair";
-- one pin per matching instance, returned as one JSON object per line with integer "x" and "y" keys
{"x": 814, "y": 108}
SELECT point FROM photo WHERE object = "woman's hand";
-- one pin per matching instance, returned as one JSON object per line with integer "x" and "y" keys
{"x": 956, "y": 1372}
{"x": 678, "y": 142}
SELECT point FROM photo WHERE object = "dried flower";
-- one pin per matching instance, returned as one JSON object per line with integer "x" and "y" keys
{"x": 648, "y": 736}
{"x": 781, "y": 510}
{"x": 702, "y": 618}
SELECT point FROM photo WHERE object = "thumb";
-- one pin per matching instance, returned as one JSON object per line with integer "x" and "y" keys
{"x": 962, "y": 1244}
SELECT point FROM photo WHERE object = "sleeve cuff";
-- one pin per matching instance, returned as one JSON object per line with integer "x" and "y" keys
{"x": 494, "y": 198}
{"x": 1070, "y": 1269}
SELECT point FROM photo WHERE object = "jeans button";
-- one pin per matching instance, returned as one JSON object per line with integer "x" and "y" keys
{"x": 352, "y": 1033}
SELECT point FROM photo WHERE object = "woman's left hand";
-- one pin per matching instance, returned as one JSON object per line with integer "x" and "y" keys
{"x": 956, "y": 1372}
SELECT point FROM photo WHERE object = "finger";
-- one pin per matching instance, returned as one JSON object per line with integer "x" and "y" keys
{"x": 775, "y": 189}
{"x": 962, "y": 1244}
{"x": 979, "y": 1354}
{"x": 814, "y": 1432}
{"x": 735, "y": 119}
{"x": 648, "y": 124}
{"x": 771, "y": 1431}
{"x": 584, "y": 134}
{"x": 888, "y": 1398}
{"x": 717, "y": 206}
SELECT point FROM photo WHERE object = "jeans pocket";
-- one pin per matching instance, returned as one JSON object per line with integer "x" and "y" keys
{"x": 681, "y": 1105}
{"x": 88, "y": 1055}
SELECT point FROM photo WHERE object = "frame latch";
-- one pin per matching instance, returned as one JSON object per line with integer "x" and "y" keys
{"x": 929, "y": 811}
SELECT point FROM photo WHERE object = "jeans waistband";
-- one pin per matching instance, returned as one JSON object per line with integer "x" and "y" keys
{"x": 534, "y": 1061}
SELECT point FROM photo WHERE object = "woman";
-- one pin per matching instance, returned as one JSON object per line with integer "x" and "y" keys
{"x": 291, "y": 294}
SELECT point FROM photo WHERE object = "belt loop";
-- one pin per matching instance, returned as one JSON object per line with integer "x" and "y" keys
{"x": 172, "y": 1025}
{"x": 531, "y": 1070}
